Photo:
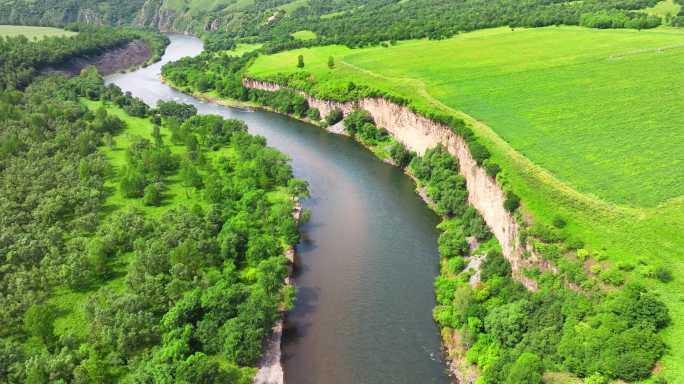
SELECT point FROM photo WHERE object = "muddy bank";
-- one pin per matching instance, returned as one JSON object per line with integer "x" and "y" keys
{"x": 130, "y": 56}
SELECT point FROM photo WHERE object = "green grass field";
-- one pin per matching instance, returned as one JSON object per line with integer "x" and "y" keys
{"x": 585, "y": 123}
{"x": 32, "y": 32}
{"x": 242, "y": 48}
{"x": 665, "y": 9}
{"x": 304, "y": 35}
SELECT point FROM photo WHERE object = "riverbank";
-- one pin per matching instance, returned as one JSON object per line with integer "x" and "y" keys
{"x": 131, "y": 56}
{"x": 270, "y": 369}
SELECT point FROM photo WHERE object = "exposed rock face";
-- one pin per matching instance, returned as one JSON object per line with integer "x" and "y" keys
{"x": 153, "y": 15}
{"x": 131, "y": 55}
{"x": 419, "y": 134}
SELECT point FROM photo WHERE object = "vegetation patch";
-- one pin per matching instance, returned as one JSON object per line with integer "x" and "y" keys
{"x": 32, "y": 32}
{"x": 152, "y": 240}
{"x": 304, "y": 35}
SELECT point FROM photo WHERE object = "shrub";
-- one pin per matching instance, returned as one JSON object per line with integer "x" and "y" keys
{"x": 613, "y": 277}
{"x": 512, "y": 202}
{"x": 334, "y": 117}
{"x": 132, "y": 183}
{"x": 559, "y": 222}
{"x": 479, "y": 152}
{"x": 527, "y": 369}
{"x": 582, "y": 254}
{"x": 456, "y": 264}
{"x": 492, "y": 168}
{"x": 495, "y": 265}
{"x": 313, "y": 114}
{"x": 152, "y": 195}
{"x": 663, "y": 274}
{"x": 400, "y": 155}
{"x": 596, "y": 378}
{"x": 355, "y": 121}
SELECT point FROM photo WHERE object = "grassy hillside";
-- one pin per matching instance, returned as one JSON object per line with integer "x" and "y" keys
{"x": 586, "y": 129}
{"x": 32, "y": 32}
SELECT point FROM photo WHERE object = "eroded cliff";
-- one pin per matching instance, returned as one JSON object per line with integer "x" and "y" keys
{"x": 419, "y": 133}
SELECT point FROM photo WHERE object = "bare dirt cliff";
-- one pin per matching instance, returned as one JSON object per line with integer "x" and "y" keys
{"x": 419, "y": 134}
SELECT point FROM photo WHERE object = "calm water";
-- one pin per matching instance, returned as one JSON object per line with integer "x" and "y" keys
{"x": 367, "y": 259}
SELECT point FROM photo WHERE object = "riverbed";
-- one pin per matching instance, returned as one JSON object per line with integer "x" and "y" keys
{"x": 367, "y": 260}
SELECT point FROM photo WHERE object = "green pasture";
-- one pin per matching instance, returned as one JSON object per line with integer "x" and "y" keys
{"x": 32, "y": 32}
{"x": 586, "y": 125}
{"x": 665, "y": 9}
{"x": 304, "y": 35}
{"x": 242, "y": 48}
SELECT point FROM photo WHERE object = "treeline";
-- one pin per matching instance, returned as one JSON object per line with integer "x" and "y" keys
{"x": 358, "y": 24}
{"x": 515, "y": 335}
{"x": 21, "y": 59}
{"x": 62, "y": 12}
{"x": 354, "y": 23}
{"x": 618, "y": 19}
{"x": 100, "y": 292}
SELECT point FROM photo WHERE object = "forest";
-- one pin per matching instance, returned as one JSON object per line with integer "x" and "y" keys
{"x": 97, "y": 288}
{"x": 21, "y": 59}
{"x": 354, "y": 23}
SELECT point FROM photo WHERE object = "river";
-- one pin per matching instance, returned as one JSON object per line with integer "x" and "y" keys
{"x": 367, "y": 259}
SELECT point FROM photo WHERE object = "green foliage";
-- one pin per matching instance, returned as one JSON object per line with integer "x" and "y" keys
{"x": 354, "y": 121}
{"x": 216, "y": 41}
{"x": 663, "y": 274}
{"x": 180, "y": 111}
{"x": 157, "y": 293}
{"x": 507, "y": 323}
{"x": 527, "y": 369}
{"x": 439, "y": 171}
{"x": 401, "y": 156}
{"x": 334, "y": 117}
{"x": 39, "y": 321}
{"x": 313, "y": 114}
{"x": 132, "y": 183}
{"x": 512, "y": 202}
{"x": 152, "y": 195}
{"x": 22, "y": 59}
{"x": 300, "y": 61}
{"x": 619, "y": 19}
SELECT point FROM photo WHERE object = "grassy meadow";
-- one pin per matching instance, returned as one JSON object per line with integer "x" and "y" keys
{"x": 304, "y": 35}
{"x": 32, "y": 32}
{"x": 242, "y": 48}
{"x": 585, "y": 124}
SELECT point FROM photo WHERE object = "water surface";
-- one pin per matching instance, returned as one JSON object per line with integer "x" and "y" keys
{"x": 367, "y": 259}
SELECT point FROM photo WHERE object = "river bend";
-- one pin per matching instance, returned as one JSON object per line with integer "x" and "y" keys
{"x": 367, "y": 259}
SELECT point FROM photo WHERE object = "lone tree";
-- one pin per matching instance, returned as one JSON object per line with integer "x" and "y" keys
{"x": 331, "y": 62}
{"x": 300, "y": 61}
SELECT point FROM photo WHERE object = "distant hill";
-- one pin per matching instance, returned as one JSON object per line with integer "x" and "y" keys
{"x": 351, "y": 22}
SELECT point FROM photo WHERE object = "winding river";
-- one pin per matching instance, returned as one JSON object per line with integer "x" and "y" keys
{"x": 367, "y": 259}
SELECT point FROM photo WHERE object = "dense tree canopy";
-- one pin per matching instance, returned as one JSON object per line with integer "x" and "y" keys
{"x": 164, "y": 292}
